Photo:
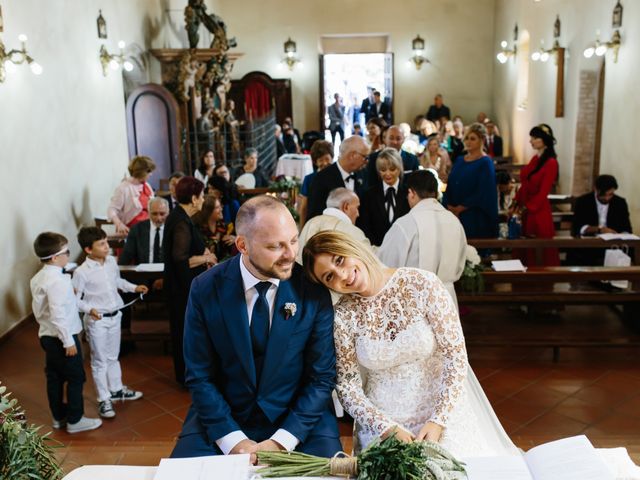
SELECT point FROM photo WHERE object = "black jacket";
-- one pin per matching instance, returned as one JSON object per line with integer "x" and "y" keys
{"x": 322, "y": 184}
{"x": 136, "y": 247}
{"x": 585, "y": 212}
{"x": 373, "y": 219}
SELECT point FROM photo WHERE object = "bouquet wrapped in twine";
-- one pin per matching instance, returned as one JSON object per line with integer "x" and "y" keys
{"x": 382, "y": 460}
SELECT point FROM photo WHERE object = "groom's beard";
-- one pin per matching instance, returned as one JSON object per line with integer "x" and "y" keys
{"x": 281, "y": 270}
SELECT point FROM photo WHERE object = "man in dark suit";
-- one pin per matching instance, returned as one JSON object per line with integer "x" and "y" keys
{"x": 394, "y": 138}
{"x": 600, "y": 211}
{"x": 342, "y": 173}
{"x": 379, "y": 109}
{"x": 366, "y": 103}
{"x": 438, "y": 109}
{"x": 173, "y": 181}
{"x": 259, "y": 350}
{"x": 493, "y": 141}
{"x": 144, "y": 241}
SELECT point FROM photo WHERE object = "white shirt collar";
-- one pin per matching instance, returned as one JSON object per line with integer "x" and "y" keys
{"x": 386, "y": 186}
{"x": 339, "y": 214}
{"x": 94, "y": 263}
{"x": 343, "y": 172}
{"x": 250, "y": 280}
{"x": 598, "y": 202}
{"x": 153, "y": 226}
{"x": 54, "y": 268}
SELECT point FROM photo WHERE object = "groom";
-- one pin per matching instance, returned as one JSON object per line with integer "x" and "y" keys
{"x": 258, "y": 347}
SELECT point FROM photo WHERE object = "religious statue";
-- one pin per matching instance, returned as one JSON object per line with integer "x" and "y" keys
{"x": 195, "y": 13}
{"x": 190, "y": 71}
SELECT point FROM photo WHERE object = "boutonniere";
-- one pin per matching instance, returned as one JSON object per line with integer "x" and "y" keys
{"x": 289, "y": 310}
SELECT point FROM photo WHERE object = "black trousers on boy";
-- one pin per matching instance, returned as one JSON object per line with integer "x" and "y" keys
{"x": 60, "y": 369}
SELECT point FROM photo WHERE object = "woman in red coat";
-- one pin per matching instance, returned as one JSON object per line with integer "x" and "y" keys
{"x": 537, "y": 179}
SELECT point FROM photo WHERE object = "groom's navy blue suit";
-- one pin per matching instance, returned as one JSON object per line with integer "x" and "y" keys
{"x": 294, "y": 390}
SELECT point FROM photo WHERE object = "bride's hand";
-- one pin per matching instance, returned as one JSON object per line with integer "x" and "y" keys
{"x": 431, "y": 432}
{"x": 400, "y": 433}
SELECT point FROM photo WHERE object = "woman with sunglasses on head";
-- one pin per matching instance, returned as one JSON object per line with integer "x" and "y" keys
{"x": 401, "y": 360}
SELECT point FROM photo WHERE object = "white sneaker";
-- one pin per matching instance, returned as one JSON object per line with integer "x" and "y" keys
{"x": 105, "y": 409}
{"x": 83, "y": 425}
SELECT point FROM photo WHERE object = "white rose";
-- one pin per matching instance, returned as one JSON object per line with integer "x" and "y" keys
{"x": 472, "y": 255}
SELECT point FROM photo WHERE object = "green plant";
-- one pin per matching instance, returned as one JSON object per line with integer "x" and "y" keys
{"x": 472, "y": 280}
{"x": 24, "y": 452}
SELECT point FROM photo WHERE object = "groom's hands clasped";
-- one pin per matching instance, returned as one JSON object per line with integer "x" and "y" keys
{"x": 251, "y": 447}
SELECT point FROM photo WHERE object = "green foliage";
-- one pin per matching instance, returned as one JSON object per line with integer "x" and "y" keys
{"x": 24, "y": 452}
{"x": 472, "y": 280}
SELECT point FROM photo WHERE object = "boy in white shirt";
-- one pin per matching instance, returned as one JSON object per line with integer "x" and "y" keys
{"x": 54, "y": 306}
{"x": 97, "y": 282}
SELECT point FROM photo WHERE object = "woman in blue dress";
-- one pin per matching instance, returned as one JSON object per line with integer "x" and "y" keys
{"x": 471, "y": 190}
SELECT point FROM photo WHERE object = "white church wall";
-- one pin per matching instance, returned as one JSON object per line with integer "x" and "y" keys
{"x": 580, "y": 20}
{"x": 63, "y": 135}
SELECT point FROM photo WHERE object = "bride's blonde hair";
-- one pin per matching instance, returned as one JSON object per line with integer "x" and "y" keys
{"x": 334, "y": 242}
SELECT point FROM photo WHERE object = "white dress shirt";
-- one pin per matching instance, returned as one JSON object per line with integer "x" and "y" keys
{"x": 152, "y": 236}
{"x": 385, "y": 187}
{"x": 603, "y": 211}
{"x": 54, "y": 305}
{"x": 281, "y": 436}
{"x": 97, "y": 286}
{"x": 351, "y": 183}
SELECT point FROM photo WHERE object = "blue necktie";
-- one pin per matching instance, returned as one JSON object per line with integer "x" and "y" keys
{"x": 260, "y": 326}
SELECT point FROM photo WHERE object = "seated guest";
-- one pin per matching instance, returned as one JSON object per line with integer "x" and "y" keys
{"x": 458, "y": 130}
{"x": 429, "y": 236}
{"x": 217, "y": 234}
{"x": 471, "y": 193}
{"x": 144, "y": 242}
{"x": 205, "y": 169}
{"x": 228, "y": 194}
{"x": 437, "y": 158}
{"x": 321, "y": 156}
{"x": 357, "y": 130}
{"x": 341, "y": 214}
{"x": 290, "y": 139}
{"x": 426, "y": 128}
{"x": 173, "y": 181}
{"x": 393, "y": 138}
{"x": 505, "y": 194}
{"x": 250, "y": 167}
{"x": 386, "y": 200}
{"x": 600, "y": 211}
{"x": 438, "y": 109}
{"x": 280, "y": 150}
{"x": 493, "y": 144}
{"x": 221, "y": 170}
{"x": 130, "y": 201}
{"x": 450, "y": 140}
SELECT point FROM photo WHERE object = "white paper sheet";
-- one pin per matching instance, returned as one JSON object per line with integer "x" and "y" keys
{"x": 508, "y": 266}
{"x": 497, "y": 468}
{"x": 618, "y": 236}
{"x": 557, "y": 196}
{"x": 229, "y": 467}
{"x": 150, "y": 267}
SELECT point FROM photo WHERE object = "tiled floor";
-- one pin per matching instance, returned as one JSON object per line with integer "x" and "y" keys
{"x": 593, "y": 391}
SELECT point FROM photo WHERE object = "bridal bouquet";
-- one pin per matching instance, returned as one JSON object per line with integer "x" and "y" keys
{"x": 24, "y": 453}
{"x": 382, "y": 460}
{"x": 472, "y": 280}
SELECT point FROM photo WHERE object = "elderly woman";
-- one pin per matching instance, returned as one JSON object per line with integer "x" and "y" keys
{"x": 386, "y": 200}
{"x": 217, "y": 234}
{"x": 205, "y": 170}
{"x": 130, "y": 201}
{"x": 185, "y": 256}
{"x": 471, "y": 191}
{"x": 437, "y": 158}
{"x": 250, "y": 168}
{"x": 321, "y": 156}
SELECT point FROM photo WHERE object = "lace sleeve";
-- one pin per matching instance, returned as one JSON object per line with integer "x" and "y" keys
{"x": 443, "y": 317}
{"x": 349, "y": 381}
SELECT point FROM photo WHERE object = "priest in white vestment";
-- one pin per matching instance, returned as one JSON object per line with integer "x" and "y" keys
{"x": 429, "y": 237}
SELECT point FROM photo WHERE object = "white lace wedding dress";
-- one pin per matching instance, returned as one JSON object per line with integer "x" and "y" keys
{"x": 401, "y": 360}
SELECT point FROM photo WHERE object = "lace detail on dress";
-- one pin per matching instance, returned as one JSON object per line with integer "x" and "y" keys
{"x": 408, "y": 342}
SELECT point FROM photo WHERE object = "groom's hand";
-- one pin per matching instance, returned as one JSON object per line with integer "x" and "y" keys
{"x": 245, "y": 446}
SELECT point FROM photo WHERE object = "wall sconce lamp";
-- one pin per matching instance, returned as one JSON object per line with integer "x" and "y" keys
{"x": 598, "y": 47}
{"x": 543, "y": 55}
{"x": 9, "y": 59}
{"x": 506, "y": 52}
{"x": 290, "y": 58}
{"x": 418, "y": 58}
{"x": 110, "y": 60}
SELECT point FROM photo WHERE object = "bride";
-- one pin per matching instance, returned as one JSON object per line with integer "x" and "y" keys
{"x": 401, "y": 358}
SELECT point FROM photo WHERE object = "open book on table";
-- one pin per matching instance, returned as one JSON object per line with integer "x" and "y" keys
{"x": 571, "y": 458}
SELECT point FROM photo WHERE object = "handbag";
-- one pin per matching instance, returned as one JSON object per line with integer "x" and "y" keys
{"x": 617, "y": 257}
